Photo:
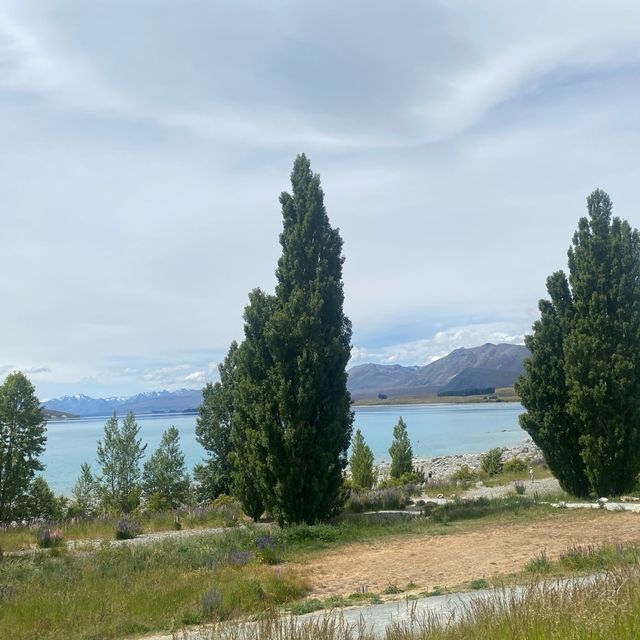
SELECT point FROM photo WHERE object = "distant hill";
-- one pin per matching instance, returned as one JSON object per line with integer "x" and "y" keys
{"x": 50, "y": 414}
{"x": 148, "y": 402}
{"x": 485, "y": 367}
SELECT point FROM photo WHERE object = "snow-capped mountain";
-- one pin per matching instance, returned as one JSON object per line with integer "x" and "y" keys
{"x": 147, "y": 402}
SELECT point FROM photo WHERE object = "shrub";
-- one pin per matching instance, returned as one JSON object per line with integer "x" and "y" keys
{"x": 491, "y": 462}
{"x": 48, "y": 539}
{"x": 127, "y": 529}
{"x": 520, "y": 488}
{"x": 228, "y": 508}
{"x": 391, "y": 498}
{"x": 268, "y": 551}
{"x": 515, "y": 465}
{"x": 465, "y": 474}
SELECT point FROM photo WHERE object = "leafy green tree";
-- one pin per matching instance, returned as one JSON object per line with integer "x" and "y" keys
{"x": 587, "y": 345}
{"x": 306, "y": 429}
{"x": 119, "y": 455}
{"x": 165, "y": 474}
{"x": 491, "y": 462}
{"x": 400, "y": 451}
{"x": 85, "y": 492}
{"x": 213, "y": 431}
{"x": 361, "y": 462}
{"x": 41, "y": 502}
{"x": 22, "y": 440}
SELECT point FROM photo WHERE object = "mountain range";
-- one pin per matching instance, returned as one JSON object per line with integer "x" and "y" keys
{"x": 148, "y": 402}
{"x": 462, "y": 372}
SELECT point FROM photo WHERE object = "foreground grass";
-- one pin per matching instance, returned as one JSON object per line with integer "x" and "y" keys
{"x": 607, "y": 608}
{"x": 121, "y": 591}
{"x": 103, "y": 528}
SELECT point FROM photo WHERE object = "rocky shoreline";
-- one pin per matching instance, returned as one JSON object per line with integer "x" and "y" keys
{"x": 441, "y": 467}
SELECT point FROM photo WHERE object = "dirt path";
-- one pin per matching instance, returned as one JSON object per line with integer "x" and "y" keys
{"x": 449, "y": 560}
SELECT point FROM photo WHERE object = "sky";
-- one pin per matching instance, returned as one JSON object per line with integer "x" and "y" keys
{"x": 145, "y": 144}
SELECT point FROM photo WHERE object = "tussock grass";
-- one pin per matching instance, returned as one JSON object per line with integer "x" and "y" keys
{"x": 103, "y": 528}
{"x": 605, "y": 608}
{"x": 115, "y": 592}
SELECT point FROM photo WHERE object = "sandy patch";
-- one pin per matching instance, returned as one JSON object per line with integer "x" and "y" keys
{"x": 453, "y": 559}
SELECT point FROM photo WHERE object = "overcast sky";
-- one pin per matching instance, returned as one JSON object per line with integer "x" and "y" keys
{"x": 145, "y": 145}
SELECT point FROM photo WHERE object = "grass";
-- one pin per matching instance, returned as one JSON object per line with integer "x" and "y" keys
{"x": 607, "y": 608}
{"x": 119, "y": 591}
{"x": 116, "y": 592}
{"x": 103, "y": 528}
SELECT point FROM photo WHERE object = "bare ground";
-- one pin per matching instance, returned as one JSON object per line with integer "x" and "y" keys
{"x": 454, "y": 559}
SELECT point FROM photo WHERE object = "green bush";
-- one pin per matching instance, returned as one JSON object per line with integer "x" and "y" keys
{"x": 515, "y": 465}
{"x": 491, "y": 462}
{"x": 465, "y": 474}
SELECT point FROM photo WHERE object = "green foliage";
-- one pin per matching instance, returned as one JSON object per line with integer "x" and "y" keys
{"x": 478, "y": 583}
{"x": 254, "y": 405}
{"x": 361, "y": 463}
{"x": 464, "y": 474}
{"x": 22, "y": 440}
{"x": 400, "y": 451}
{"x": 213, "y": 431}
{"x": 127, "y": 528}
{"x": 491, "y": 462}
{"x": 539, "y": 563}
{"x": 165, "y": 474}
{"x": 515, "y": 465}
{"x": 380, "y": 499}
{"x": 48, "y": 539}
{"x": 582, "y": 384}
{"x": 85, "y": 492}
{"x": 41, "y": 502}
{"x": 293, "y": 407}
{"x": 119, "y": 455}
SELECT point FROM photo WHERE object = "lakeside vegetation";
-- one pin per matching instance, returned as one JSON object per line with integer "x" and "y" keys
{"x": 502, "y": 394}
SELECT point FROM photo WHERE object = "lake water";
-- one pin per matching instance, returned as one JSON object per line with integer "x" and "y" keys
{"x": 434, "y": 430}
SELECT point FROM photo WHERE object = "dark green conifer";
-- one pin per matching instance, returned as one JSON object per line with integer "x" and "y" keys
{"x": 582, "y": 383}
{"x": 361, "y": 463}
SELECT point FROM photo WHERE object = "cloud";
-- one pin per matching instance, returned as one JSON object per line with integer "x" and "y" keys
{"x": 427, "y": 350}
{"x": 146, "y": 143}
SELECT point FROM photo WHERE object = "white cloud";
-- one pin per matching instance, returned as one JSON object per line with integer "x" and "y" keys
{"x": 145, "y": 145}
{"x": 427, "y": 350}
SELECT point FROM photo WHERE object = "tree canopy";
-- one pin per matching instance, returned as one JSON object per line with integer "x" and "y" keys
{"x": 22, "y": 440}
{"x": 293, "y": 404}
{"x": 581, "y": 387}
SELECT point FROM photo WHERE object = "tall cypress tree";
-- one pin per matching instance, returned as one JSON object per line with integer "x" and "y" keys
{"x": 213, "y": 430}
{"x": 544, "y": 392}
{"x": 582, "y": 384}
{"x": 254, "y": 407}
{"x": 294, "y": 399}
{"x": 603, "y": 347}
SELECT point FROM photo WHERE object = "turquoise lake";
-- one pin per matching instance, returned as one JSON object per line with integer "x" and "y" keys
{"x": 434, "y": 430}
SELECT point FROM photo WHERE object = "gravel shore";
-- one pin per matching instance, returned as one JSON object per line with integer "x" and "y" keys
{"x": 441, "y": 467}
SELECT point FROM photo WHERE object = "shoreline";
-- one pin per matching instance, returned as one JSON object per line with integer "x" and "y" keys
{"x": 442, "y": 467}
